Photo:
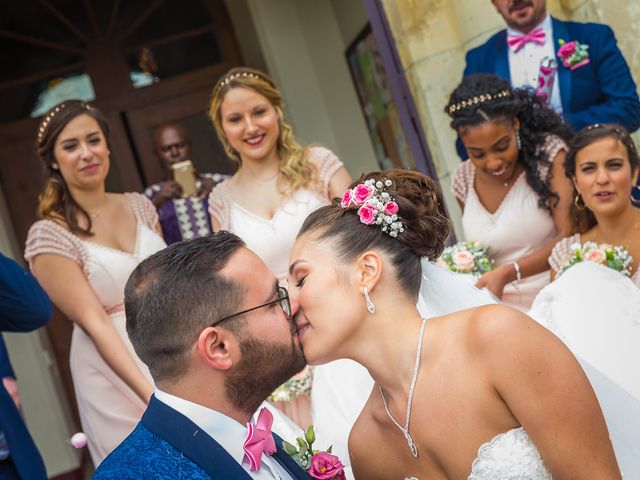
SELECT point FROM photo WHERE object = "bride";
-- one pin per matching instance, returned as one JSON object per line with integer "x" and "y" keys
{"x": 483, "y": 393}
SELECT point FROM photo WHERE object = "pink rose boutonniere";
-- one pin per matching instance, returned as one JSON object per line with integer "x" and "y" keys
{"x": 319, "y": 465}
{"x": 573, "y": 54}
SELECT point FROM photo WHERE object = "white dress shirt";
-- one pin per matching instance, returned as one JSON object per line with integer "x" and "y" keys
{"x": 227, "y": 432}
{"x": 524, "y": 65}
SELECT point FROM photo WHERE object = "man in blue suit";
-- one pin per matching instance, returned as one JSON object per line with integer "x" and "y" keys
{"x": 600, "y": 91}
{"x": 216, "y": 330}
{"x": 24, "y": 306}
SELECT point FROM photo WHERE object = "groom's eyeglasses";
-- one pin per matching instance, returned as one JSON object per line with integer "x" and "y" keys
{"x": 282, "y": 300}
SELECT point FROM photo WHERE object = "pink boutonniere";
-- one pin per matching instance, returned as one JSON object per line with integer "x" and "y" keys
{"x": 319, "y": 465}
{"x": 573, "y": 54}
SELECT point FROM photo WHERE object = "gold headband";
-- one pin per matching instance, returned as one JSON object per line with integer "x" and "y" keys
{"x": 48, "y": 118}
{"x": 237, "y": 75}
{"x": 477, "y": 100}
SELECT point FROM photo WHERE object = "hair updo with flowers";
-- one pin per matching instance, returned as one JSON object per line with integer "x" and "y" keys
{"x": 399, "y": 212}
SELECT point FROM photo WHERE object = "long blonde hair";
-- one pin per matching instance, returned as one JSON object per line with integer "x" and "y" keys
{"x": 295, "y": 166}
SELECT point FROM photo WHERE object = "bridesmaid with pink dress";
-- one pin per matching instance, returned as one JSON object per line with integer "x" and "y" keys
{"x": 82, "y": 252}
{"x": 512, "y": 190}
{"x": 277, "y": 184}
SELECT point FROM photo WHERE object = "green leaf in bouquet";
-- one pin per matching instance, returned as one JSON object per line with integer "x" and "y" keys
{"x": 290, "y": 449}
{"x": 615, "y": 264}
{"x": 310, "y": 435}
{"x": 303, "y": 445}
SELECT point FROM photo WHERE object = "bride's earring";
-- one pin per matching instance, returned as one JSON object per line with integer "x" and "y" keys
{"x": 370, "y": 306}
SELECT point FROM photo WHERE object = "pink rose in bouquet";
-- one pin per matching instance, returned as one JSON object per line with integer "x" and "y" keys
{"x": 361, "y": 193}
{"x": 464, "y": 261}
{"x": 325, "y": 466}
{"x": 367, "y": 214}
{"x": 595, "y": 255}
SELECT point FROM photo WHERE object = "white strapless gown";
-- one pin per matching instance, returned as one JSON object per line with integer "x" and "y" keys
{"x": 595, "y": 311}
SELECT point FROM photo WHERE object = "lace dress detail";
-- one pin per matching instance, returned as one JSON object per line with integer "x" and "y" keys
{"x": 272, "y": 239}
{"x": 464, "y": 176}
{"x": 509, "y": 456}
{"x": 503, "y": 231}
{"x": 109, "y": 409}
{"x": 562, "y": 251}
{"x": 561, "y": 254}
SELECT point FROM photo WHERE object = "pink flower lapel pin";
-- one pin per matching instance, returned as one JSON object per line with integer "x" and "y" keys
{"x": 573, "y": 54}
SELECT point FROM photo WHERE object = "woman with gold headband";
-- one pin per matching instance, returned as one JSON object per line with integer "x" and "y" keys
{"x": 512, "y": 190}
{"x": 277, "y": 184}
{"x": 82, "y": 251}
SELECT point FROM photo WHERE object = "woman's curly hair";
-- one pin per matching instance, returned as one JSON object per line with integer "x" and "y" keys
{"x": 497, "y": 102}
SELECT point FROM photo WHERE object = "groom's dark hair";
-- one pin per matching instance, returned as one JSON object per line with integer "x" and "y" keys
{"x": 174, "y": 294}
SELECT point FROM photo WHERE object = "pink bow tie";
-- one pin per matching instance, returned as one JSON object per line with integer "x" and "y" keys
{"x": 259, "y": 440}
{"x": 516, "y": 42}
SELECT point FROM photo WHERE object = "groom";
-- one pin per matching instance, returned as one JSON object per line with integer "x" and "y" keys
{"x": 208, "y": 318}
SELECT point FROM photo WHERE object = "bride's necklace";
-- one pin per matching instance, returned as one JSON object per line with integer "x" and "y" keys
{"x": 405, "y": 430}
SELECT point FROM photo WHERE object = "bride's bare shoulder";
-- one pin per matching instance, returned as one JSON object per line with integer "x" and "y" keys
{"x": 484, "y": 326}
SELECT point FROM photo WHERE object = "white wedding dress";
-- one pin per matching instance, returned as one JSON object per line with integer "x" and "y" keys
{"x": 510, "y": 455}
{"x": 568, "y": 310}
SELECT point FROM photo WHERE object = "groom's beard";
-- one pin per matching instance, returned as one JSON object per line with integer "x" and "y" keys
{"x": 263, "y": 368}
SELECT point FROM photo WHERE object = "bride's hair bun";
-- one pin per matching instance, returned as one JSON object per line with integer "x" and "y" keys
{"x": 420, "y": 209}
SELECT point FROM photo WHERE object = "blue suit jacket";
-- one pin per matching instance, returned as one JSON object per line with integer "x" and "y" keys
{"x": 601, "y": 92}
{"x": 167, "y": 445}
{"x": 24, "y": 306}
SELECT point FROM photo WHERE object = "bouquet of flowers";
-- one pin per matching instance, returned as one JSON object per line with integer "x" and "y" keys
{"x": 319, "y": 465}
{"x": 616, "y": 257}
{"x": 299, "y": 384}
{"x": 467, "y": 257}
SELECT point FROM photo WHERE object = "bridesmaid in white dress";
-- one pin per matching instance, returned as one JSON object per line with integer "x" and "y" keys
{"x": 277, "y": 184}
{"x": 592, "y": 308}
{"x": 82, "y": 251}
{"x": 513, "y": 192}
{"x": 603, "y": 165}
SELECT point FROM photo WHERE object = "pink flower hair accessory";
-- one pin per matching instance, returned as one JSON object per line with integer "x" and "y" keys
{"x": 376, "y": 205}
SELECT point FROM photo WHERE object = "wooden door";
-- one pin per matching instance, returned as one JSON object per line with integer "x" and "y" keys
{"x": 143, "y": 64}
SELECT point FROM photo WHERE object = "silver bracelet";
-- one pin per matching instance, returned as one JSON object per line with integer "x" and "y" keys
{"x": 516, "y": 266}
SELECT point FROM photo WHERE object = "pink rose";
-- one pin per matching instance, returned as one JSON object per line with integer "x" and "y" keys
{"x": 567, "y": 49}
{"x": 391, "y": 208}
{"x": 325, "y": 466}
{"x": 367, "y": 214}
{"x": 596, "y": 255}
{"x": 346, "y": 199}
{"x": 464, "y": 261}
{"x": 361, "y": 193}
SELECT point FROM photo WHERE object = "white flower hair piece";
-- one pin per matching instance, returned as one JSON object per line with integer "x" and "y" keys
{"x": 376, "y": 205}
